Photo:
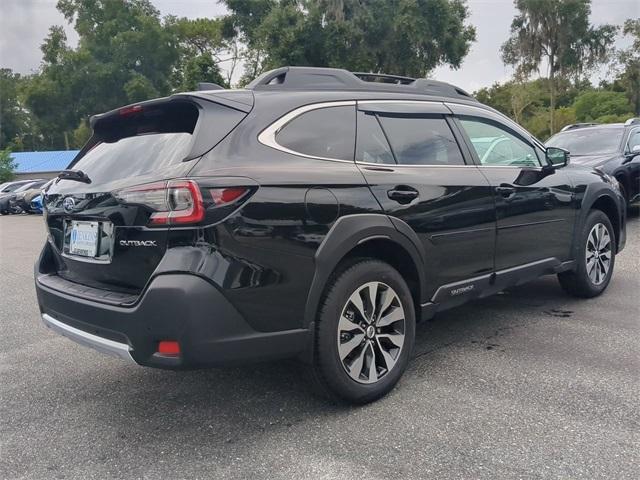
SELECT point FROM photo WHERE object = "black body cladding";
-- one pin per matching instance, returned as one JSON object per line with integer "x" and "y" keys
{"x": 244, "y": 281}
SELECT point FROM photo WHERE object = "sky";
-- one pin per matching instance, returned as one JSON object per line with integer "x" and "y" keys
{"x": 25, "y": 23}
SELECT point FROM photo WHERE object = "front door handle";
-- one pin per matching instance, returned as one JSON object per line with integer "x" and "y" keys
{"x": 403, "y": 194}
{"x": 506, "y": 190}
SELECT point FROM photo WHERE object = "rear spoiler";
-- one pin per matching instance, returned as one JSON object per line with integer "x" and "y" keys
{"x": 207, "y": 133}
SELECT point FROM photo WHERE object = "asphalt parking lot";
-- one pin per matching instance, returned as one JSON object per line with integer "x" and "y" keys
{"x": 527, "y": 384}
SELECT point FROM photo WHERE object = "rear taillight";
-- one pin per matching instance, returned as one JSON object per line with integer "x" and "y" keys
{"x": 178, "y": 202}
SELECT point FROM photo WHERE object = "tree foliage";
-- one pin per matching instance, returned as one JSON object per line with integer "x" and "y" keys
{"x": 628, "y": 61}
{"x": 406, "y": 37}
{"x": 128, "y": 53}
{"x": 556, "y": 34}
{"x": 7, "y": 166}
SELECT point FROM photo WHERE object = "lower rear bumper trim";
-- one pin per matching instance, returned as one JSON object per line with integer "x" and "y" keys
{"x": 103, "y": 345}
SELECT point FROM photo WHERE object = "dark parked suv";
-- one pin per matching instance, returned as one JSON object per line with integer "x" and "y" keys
{"x": 316, "y": 214}
{"x": 612, "y": 148}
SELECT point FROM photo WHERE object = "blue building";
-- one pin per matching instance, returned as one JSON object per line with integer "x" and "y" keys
{"x": 41, "y": 164}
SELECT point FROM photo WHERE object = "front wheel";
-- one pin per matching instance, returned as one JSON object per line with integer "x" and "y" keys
{"x": 365, "y": 332}
{"x": 596, "y": 258}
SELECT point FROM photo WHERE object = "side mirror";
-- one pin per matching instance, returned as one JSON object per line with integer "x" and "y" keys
{"x": 557, "y": 157}
{"x": 635, "y": 151}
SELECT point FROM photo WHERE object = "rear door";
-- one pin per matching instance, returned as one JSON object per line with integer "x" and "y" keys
{"x": 534, "y": 206}
{"x": 102, "y": 226}
{"x": 418, "y": 173}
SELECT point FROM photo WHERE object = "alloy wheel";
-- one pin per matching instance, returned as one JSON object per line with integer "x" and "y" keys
{"x": 598, "y": 253}
{"x": 371, "y": 332}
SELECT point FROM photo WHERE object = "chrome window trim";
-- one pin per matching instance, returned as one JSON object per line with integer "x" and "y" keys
{"x": 268, "y": 136}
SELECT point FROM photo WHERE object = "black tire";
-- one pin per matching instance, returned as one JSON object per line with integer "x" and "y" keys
{"x": 329, "y": 372}
{"x": 578, "y": 282}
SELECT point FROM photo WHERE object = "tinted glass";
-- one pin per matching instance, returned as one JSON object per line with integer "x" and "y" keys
{"x": 634, "y": 139}
{"x": 421, "y": 140}
{"x": 26, "y": 186}
{"x": 372, "y": 145}
{"x": 326, "y": 132}
{"x": 588, "y": 141}
{"x": 132, "y": 156}
{"x": 497, "y": 146}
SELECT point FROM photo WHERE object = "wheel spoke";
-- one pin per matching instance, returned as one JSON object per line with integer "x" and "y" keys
{"x": 373, "y": 294}
{"x": 349, "y": 346}
{"x": 373, "y": 370}
{"x": 356, "y": 301}
{"x": 355, "y": 369}
{"x": 389, "y": 361}
{"x": 387, "y": 299}
{"x": 604, "y": 239}
{"x": 346, "y": 325}
{"x": 396, "y": 314}
{"x": 396, "y": 338}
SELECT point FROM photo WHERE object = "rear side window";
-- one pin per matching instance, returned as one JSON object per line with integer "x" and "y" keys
{"x": 421, "y": 140}
{"x": 325, "y": 132}
{"x": 372, "y": 145}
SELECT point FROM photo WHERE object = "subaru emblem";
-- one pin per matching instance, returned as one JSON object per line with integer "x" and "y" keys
{"x": 68, "y": 204}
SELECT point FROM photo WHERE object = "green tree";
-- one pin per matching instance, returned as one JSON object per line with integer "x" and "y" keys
{"x": 13, "y": 118}
{"x": 125, "y": 54}
{"x": 405, "y": 37}
{"x": 593, "y": 106}
{"x": 7, "y": 166}
{"x": 556, "y": 34}
{"x": 203, "y": 48}
{"x": 629, "y": 61}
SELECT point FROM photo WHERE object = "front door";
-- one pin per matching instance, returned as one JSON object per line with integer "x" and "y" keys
{"x": 416, "y": 170}
{"x": 535, "y": 212}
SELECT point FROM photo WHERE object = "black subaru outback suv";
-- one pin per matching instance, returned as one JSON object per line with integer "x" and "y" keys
{"x": 612, "y": 148}
{"x": 316, "y": 214}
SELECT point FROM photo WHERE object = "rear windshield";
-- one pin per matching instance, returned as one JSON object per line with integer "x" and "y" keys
{"x": 588, "y": 141}
{"x": 133, "y": 156}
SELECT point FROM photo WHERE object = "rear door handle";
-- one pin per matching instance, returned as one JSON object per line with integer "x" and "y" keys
{"x": 403, "y": 194}
{"x": 506, "y": 190}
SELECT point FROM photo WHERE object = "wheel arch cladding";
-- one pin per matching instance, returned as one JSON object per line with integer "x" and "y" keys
{"x": 365, "y": 235}
{"x": 606, "y": 204}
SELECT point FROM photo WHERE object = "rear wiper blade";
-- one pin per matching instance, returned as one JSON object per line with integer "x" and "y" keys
{"x": 75, "y": 175}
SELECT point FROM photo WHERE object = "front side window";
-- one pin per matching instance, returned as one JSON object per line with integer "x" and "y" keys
{"x": 634, "y": 139}
{"x": 497, "y": 146}
{"x": 325, "y": 132}
{"x": 421, "y": 140}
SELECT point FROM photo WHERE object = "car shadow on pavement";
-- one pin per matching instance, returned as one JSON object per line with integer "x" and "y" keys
{"x": 241, "y": 404}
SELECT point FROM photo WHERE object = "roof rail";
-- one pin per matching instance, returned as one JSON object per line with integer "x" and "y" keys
{"x": 573, "y": 126}
{"x": 208, "y": 86}
{"x": 632, "y": 121}
{"x": 317, "y": 78}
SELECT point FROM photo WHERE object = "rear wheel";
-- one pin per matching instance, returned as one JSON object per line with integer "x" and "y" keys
{"x": 364, "y": 334}
{"x": 596, "y": 258}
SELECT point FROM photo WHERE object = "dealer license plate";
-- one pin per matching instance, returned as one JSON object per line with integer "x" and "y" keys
{"x": 83, "y": 240}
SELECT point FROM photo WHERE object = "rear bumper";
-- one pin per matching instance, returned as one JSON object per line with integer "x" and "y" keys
{"x": 180, "y": 307}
